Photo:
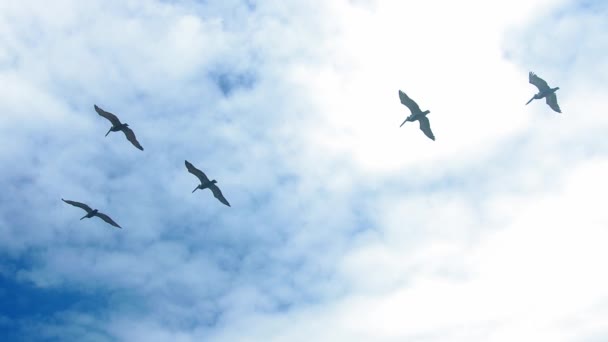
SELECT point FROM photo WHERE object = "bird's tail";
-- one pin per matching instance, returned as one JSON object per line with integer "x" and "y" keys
{"x": 530, "y": 100}
{"x": 403, "y": 122}
{"x": 195, "y": 189}
{"x": 110, "y": 130}
{"x": 85, "y": 216}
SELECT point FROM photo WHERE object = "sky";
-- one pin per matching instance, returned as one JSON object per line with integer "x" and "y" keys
{"x": 343, "y": 225}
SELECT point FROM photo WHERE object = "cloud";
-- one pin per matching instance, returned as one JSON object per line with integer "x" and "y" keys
{"x": 343, "y": 226}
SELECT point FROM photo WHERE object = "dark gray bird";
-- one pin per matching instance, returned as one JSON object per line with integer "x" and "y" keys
{"x": 118, "y": 126}
{"x": 417, "y": 114}
{"x": 92, "y": 212}
{"x": 206, "y": 183}
{"x": 544, "y": 91}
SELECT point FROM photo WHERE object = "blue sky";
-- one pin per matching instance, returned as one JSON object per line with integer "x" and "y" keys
{"x": 343, "y": 226}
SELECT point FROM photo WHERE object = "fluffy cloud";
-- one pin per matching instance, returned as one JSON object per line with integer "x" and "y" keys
{"x": 343, "y": 226}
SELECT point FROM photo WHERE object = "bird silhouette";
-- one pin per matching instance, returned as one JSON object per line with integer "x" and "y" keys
{"x": 417, "y": 114}
{"x": 544, "y": 91}
{"x": 206, "y": 183}
{"x": 118, "y": 126}
{"x": 92, "y": 212}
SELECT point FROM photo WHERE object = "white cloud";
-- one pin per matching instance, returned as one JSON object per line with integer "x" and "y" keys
{"x": 343, "y": 226}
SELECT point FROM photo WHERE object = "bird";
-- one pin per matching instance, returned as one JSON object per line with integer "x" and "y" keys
{"x": 206, "y": 183}
{"x": 544, "y": 91}
{"x": 118, "y": 126}
{"x": 92, "y": 212}
{"x": 417, "y": 114}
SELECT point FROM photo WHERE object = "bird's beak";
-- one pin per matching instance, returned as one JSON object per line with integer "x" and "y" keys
{"x": 194, "y": 189}
{"x": 110, "y": 130}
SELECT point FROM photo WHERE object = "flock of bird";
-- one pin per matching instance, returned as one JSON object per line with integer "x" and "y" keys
{"x": 130, "y": 135}
{"x": 544, "y": 91}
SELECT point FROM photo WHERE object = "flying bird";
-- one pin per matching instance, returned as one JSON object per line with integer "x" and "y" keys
{"x": 118, "y": 126}
{"x": 206, "y": 183}
{"x": 91, "y": 212}
{"x": 417, "y": 114}
{"x": 544, "y": 91}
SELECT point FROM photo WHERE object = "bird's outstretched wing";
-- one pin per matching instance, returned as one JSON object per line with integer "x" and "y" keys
{"x": 425, "y": 126}
{"x": 198, "y": 173}
{"x": 409, "y": 103}
{"x": 107, "y": 219}
{"x": 131, "y": 137}
{"x": 218, "y": 194}
{"x": 538, "y": 82}
{"x": 113, "y": 118}
{"x": 552, "y": 102}
{"x": 79, "y": 205}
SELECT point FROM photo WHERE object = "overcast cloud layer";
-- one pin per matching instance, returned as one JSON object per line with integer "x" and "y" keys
{"x": 343, "y": 226}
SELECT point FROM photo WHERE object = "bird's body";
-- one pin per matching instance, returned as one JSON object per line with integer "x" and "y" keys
{"x": 417, "y": 114}
{"x": 206, "y": 183}
{"x": 92, "y": 212}
{"x": 544, "y": 91}
{"x": 89, "y": 214}
{"x": 119, "y": 126}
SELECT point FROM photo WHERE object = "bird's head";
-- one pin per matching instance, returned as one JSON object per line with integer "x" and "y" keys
{"x": 426, "y": 112}
{"x": 94, "y": 211}
{"x": 214, "y": 181}
{"x": 126, "y": 125}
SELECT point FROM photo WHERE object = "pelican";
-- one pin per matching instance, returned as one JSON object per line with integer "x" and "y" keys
{"x": 417, "y": 114}
{"x": 118, "y": 126}
{"x": 91, "y": 212}
{"x": 544, "y": 91}
{"x": 206, "y": 183}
